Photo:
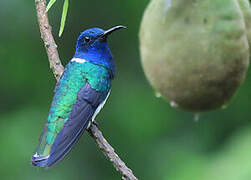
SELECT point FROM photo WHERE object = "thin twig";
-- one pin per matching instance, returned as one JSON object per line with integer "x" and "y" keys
{"x": 58, "y": 69}
{"x": 108, "y": 151}
{"x": 49, "y": 42}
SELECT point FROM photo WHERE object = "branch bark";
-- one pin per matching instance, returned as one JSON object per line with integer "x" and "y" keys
{"x": 58, "y": 69}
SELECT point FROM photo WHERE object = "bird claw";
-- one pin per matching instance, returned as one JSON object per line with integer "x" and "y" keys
{"x": 95, "y": 123}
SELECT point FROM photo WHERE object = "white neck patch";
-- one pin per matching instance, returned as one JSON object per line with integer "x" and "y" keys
{"x": 78, "y": 60}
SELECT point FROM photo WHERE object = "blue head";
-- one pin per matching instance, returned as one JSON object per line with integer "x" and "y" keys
{"x": 92, "y": 46}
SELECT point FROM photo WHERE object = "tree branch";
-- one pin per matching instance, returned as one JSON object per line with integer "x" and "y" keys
{"x": 58, "y": 69}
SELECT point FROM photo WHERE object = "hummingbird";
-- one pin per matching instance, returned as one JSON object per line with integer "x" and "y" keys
{"x": 79, "y": 96}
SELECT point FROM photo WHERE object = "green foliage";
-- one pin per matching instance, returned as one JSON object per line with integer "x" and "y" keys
{"x": 50, "y": 4}
{"x": 63, "y": 19}
{"x": 64, "y": 14}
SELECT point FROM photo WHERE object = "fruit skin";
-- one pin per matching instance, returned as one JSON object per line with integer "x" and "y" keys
{"x": 246, "y": 10}
{"x": 194, "y": 53}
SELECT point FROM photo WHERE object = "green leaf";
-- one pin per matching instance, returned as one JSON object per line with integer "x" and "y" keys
{"x": 64, "y": 14}
{"x": 50, "y": 4}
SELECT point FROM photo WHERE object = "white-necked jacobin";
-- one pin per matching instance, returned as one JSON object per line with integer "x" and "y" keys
{"x": 78, "y": 97}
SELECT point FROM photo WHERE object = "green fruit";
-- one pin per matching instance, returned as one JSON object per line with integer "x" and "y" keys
{"x": 195, "y": 53}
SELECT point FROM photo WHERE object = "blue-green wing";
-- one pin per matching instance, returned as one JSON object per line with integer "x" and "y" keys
{"x": 88, "y": 101}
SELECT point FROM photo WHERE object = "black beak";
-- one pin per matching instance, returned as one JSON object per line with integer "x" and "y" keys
{"x": 109, "y": 31}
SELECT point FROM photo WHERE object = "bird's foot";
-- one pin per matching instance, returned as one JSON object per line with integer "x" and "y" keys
{"x": 89, "y": 125}
{"x": 95, "y": 123}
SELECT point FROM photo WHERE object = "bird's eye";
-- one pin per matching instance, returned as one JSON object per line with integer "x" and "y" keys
{"x": 87, "y": 39}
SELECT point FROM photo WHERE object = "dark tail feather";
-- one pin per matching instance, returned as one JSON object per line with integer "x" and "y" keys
{"x": 39, "y": 161}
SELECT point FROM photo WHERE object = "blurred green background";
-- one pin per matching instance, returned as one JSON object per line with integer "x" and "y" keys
{"x": 155, "y": 140}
